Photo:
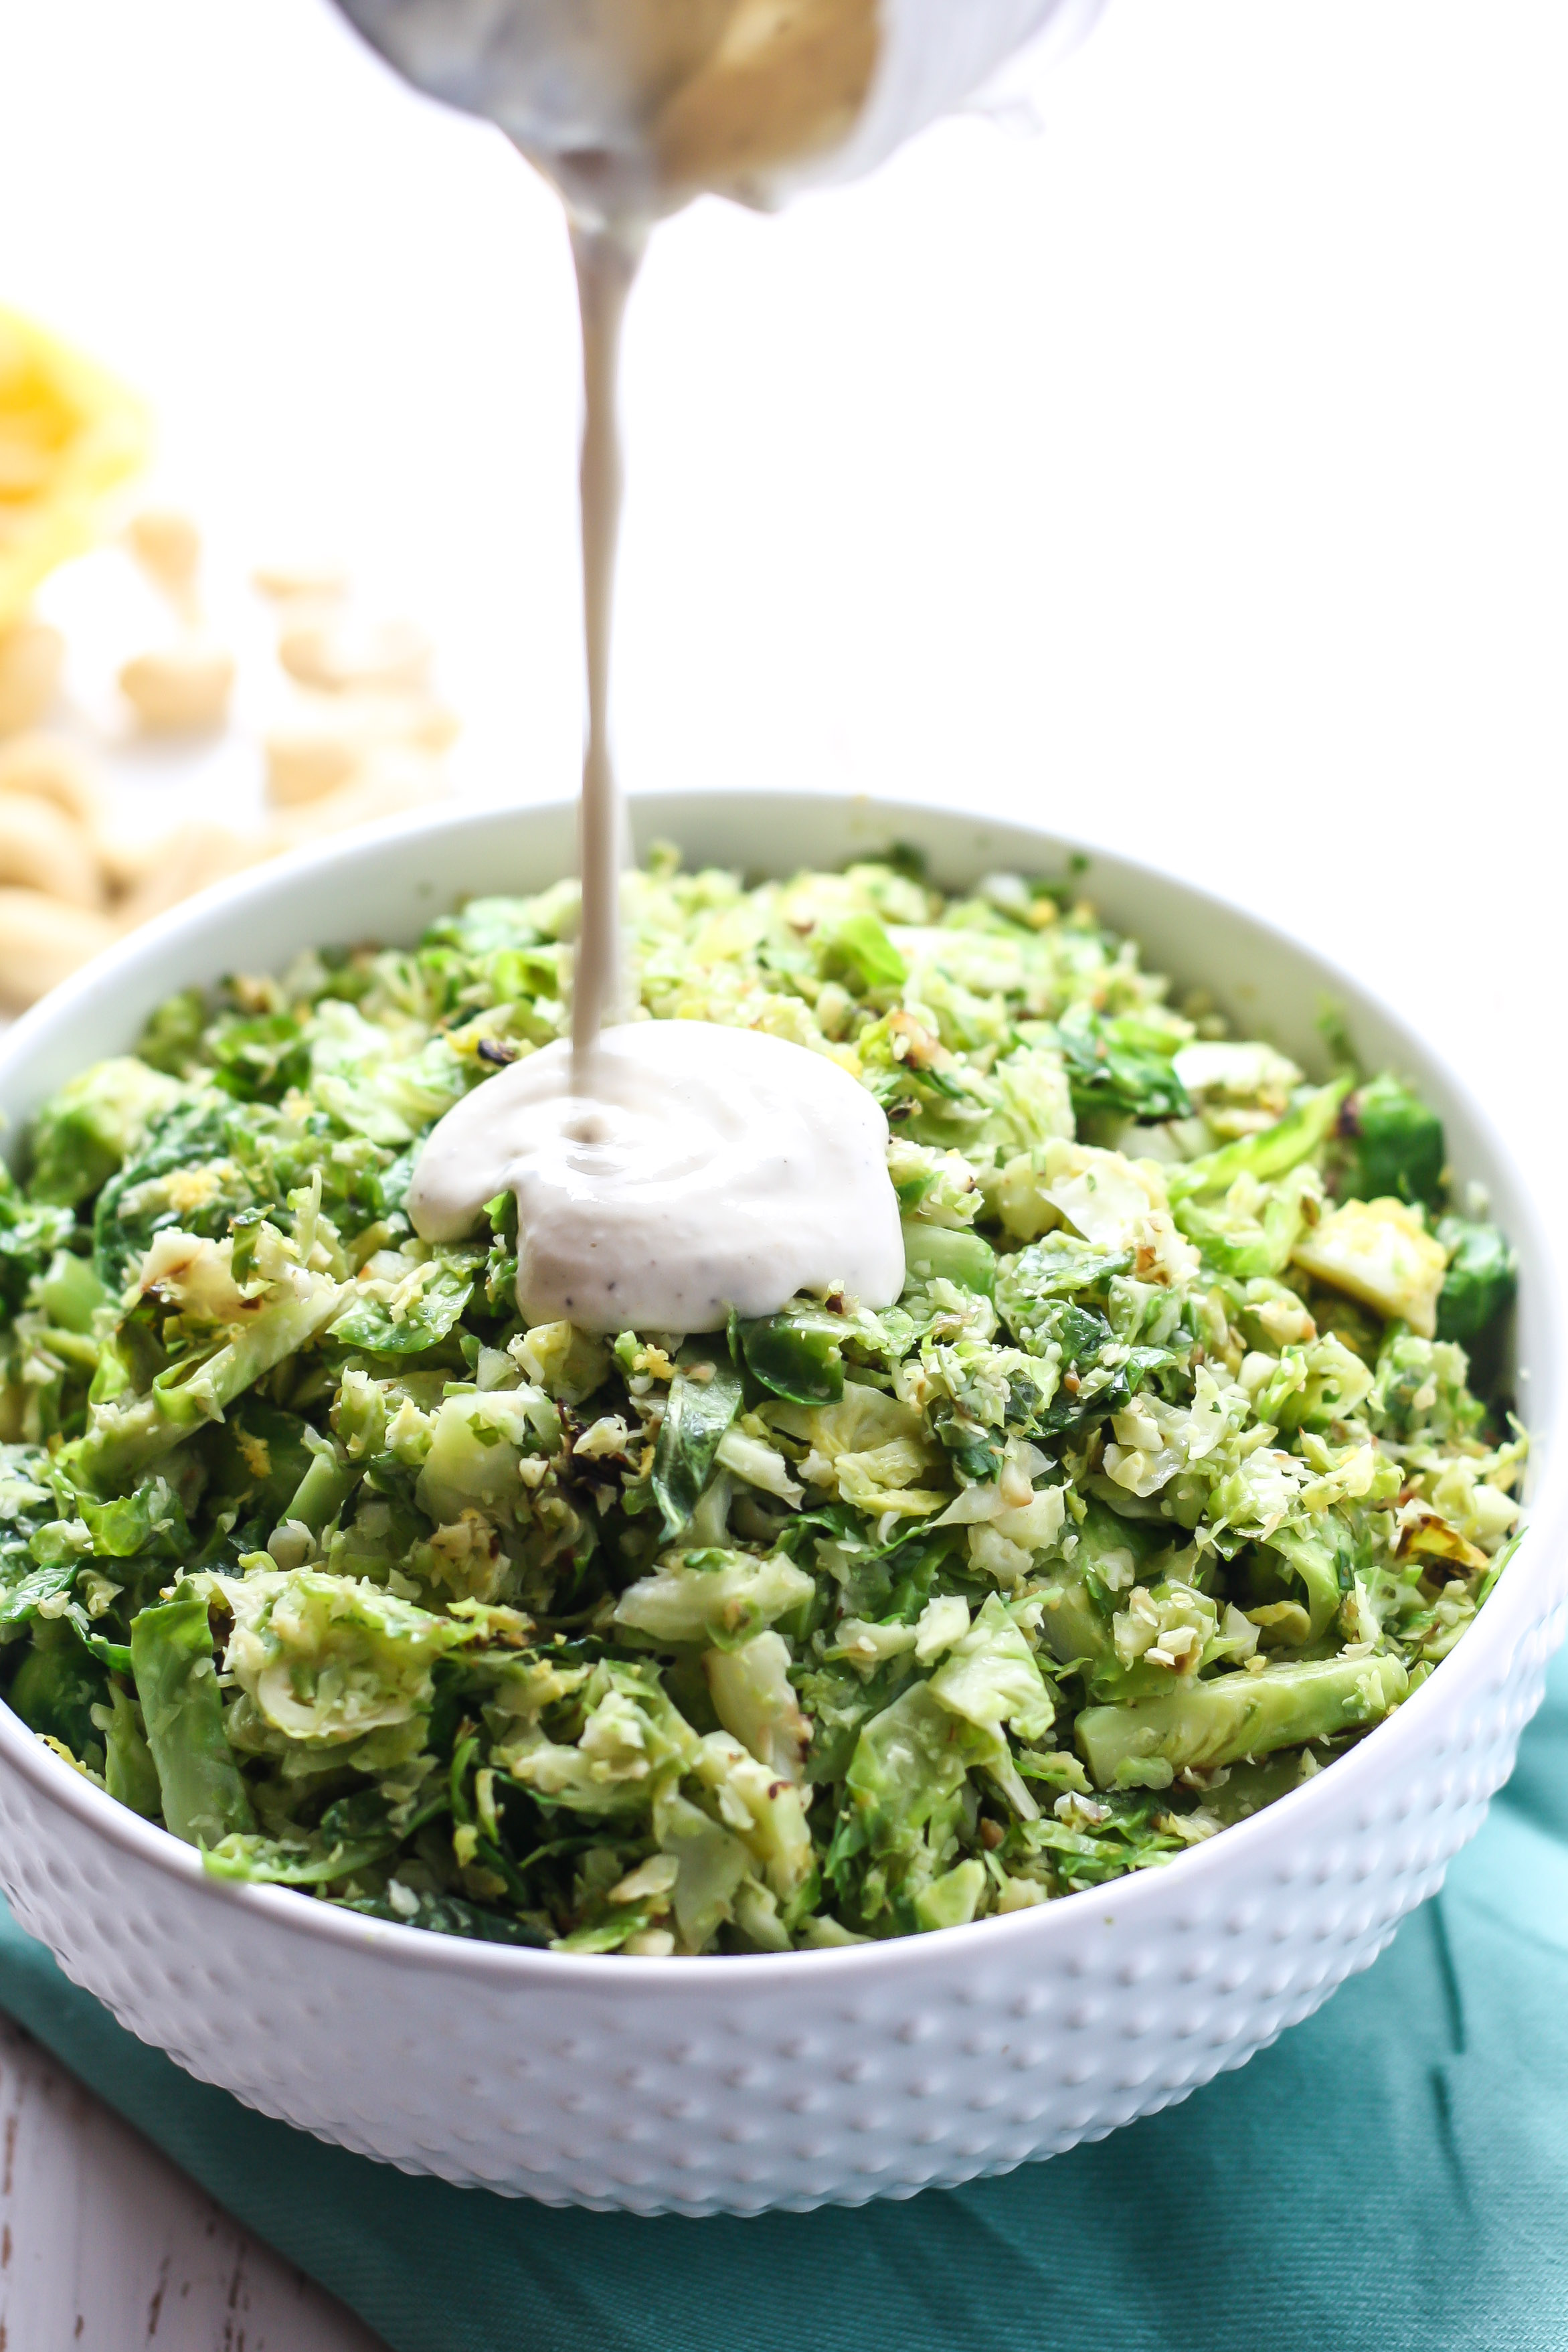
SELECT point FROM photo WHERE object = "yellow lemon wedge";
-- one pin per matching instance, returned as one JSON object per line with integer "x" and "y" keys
{"x": 69, "y": 434}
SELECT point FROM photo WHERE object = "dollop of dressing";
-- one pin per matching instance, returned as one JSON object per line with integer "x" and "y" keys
{"x": 710, "y": 1169}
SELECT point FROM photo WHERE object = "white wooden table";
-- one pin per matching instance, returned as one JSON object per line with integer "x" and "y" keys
{"x": 104, "y": 2244}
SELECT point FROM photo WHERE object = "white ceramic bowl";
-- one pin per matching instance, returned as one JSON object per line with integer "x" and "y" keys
{"x": 734, "y": 2084}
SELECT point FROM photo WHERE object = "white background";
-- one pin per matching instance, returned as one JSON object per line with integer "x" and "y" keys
{"x": 1189, "y": 475}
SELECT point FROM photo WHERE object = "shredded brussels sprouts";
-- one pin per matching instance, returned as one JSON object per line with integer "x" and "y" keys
{"x": 1166, "y": 1478}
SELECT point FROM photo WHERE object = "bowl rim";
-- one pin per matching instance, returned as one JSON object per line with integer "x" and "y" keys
{"x": 1512, "y": 1612}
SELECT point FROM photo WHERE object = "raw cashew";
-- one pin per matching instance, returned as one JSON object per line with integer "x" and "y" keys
{"x": 390, "y": 783}
{"x": 385, "y": 720}
{"x": 50, "y": 769}
{"x": 188, "y": 860}
{"x": 285, "y": 581}
{"x": 32, "y": 656}
{"x": 303, "y": 762}
{"x": 342, "y": 655}
{"x": 326, "y": 744}
{"x": 128, "y": 852}
{"x": 168, "y": 546}
{"x": 44, "y": 849}
{"x": 42, "y": 941}
{"x": 180, "y": 689}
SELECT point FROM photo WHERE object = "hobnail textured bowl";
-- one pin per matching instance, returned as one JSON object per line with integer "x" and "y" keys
{"x": 734, "y": 2085}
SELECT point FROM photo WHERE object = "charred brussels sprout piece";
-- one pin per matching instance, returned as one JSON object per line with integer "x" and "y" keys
{"x": 1236, "y": 1715}
{"x": 183, "y": 1172}
{"x": 909, "y": 1770}
{"x": 1381, "y": 1254}
{"x": 704, "y": 1397}
{"x": 31, "y": 1237}
{"x": 56, "y": 1687}
{"x": 70, "y": 1293}
{"x": 858, "y": 945}
{"x": 718, "y": 1597}
{"x": 798, "y": 1355}
{"x": 1033, "y": 1281}
{"x": 1121, "y": 1067}
{"x": 259, "y": 1060}
{"x": 129, "y": 1432}
{"x": 257, "y": 1456}
{"x": 1269, "y": 1154}
{"x": 1481, "y": 1280}
{"x": 446, "y": 1914}
{"x": 1396, "y": 1146}
{"x": 353, "y": 1834}
{"x": 325, "y": 1487}
{"x": 947, "y": 1253}
{"x": 149, "y": 1522}
{"x": 130, "y": 1774}
{"x": 488, "y": 926}
{"x": 172, "y": 1041}
{"x": 29, "y": 1586}
{"x": 424, "y": 1303}
{"x": 94, "y": 1123}
{"x": 204, "y": 1796}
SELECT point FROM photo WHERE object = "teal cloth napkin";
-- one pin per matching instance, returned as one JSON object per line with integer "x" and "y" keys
{"x": 1392, "y": 2174}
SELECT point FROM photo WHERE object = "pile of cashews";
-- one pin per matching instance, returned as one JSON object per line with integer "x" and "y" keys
{"x": 361, "y": 738}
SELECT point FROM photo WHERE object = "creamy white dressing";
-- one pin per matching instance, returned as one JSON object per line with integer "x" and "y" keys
{"x": 712, "y": 1169}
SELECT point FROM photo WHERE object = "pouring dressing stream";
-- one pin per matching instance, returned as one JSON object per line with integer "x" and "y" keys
{"x": 606, "y": 261}
{"x": 666, "y": 1173}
